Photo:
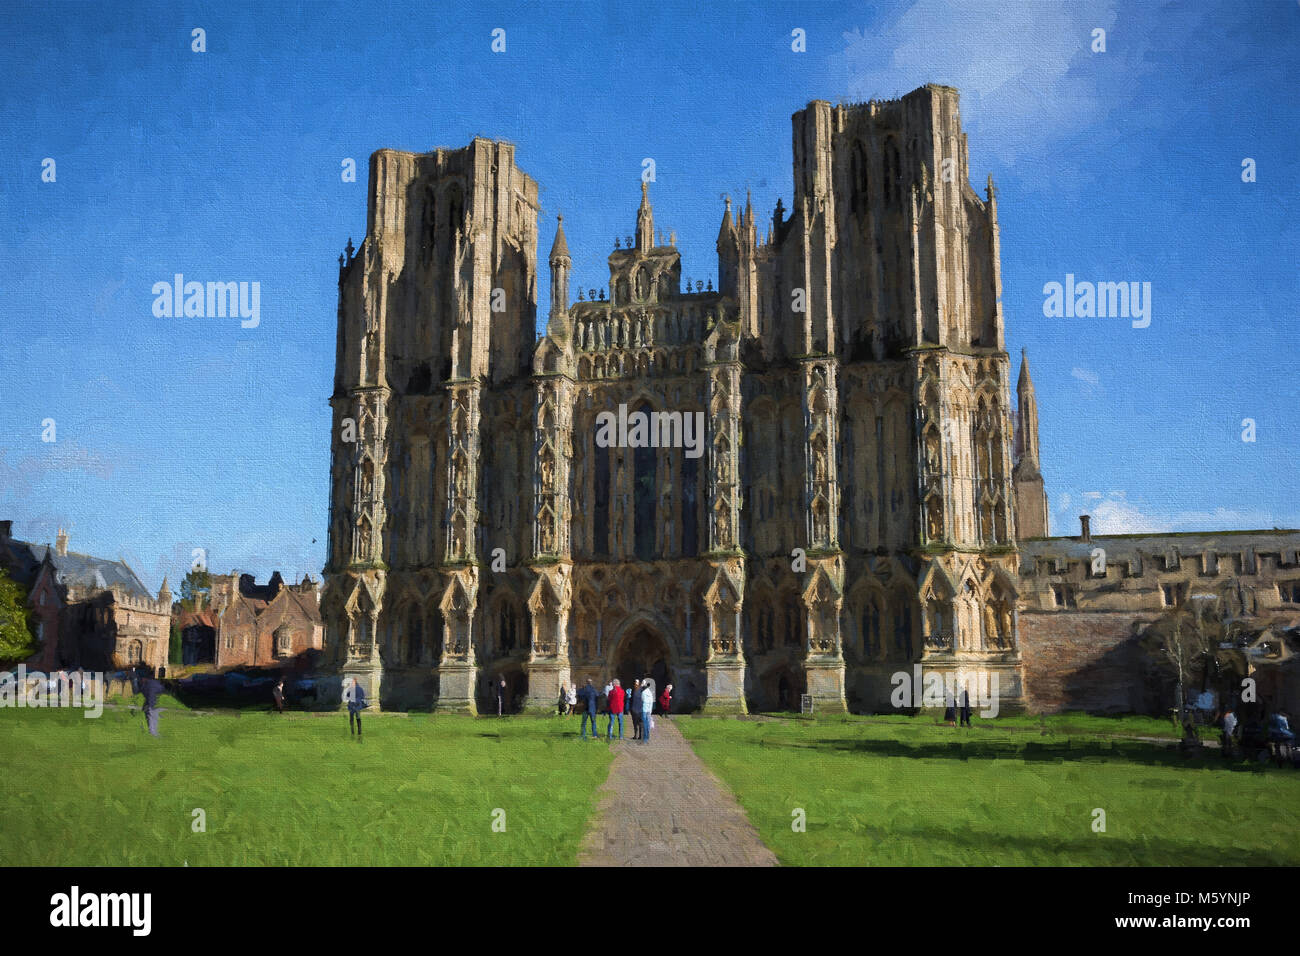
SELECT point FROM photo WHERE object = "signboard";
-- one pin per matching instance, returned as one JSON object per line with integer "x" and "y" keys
{"x": 805, "y": 704}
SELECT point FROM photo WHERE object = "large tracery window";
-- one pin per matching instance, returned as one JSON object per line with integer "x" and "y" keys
{"x": 871, "y": 628}
{"x": 600, "y": 506}
{"x": 507, "y": 636}
{"x": 690, "y": 514}
{"x": 645, "y": 463}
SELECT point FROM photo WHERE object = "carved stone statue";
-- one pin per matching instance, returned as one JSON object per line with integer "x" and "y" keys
{"x": 934, "y": 526}
{"x": 990, "y": 626}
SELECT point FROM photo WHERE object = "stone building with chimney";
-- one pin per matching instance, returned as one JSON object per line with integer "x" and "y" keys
{"x": 1087, "y": 602}
{"x": 90, "y": 612}
{"x": 257, "y": 625}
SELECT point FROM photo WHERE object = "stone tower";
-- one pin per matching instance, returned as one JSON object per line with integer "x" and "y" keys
{"x": 1031, "y": 494}
{"x": 438, "y": 304}
{"x": 842, "y": 511}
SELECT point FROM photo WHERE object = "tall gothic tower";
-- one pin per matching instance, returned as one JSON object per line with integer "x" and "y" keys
{"x": 437, "y": 304}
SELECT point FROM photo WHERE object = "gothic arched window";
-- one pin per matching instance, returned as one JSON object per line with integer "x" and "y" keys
{"x": 903, "y": 626}
{"x": 645, "y": 463}
{"x": 414, "y": 637}
{"x": 793, "y": 622}
{"x": 871, "y": 628}
{"x": 858, "y": 202}
{"x": 507, "y": 635}
{"x": 690, "y": 510}
{"x": 600, "y": 504}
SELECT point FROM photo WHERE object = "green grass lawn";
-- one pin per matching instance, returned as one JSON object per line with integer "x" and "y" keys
{"x": 912, "y": 791}
{"x": 296, "y": 789}
{"x": 1073, "y": 723}
{"x": 292, "y": 789}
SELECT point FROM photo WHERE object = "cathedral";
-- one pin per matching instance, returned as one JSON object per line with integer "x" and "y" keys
{"x": 854, "y": 508}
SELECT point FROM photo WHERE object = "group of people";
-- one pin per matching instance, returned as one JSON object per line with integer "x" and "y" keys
{"x": 637, "y": 701}
{"x": 1262, "y": 733}
{"x": 954, "y": 708}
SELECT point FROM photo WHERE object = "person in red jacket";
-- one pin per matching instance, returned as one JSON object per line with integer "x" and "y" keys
{"x": 616, "y": 700}
{"x": 666, "y": 700}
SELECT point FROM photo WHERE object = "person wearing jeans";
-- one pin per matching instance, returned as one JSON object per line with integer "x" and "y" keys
{"x": 616, "y": 699}
{"x": 355, "y": 696}
{"x": 647, "y": 707}
{"x": 587, "y": 699}
{"x": 152, "y": 689}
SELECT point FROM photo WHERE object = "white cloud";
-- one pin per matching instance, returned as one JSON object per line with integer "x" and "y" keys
{"x": 62, "y": 457}
{"x": 1113, "y": 513}
{"x": 1016, "y": 65}
{"x": 1087, "y": 376}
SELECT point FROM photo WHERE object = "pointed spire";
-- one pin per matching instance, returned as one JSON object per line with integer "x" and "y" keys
{"x": 559, "y": 247}
{"x": 749, "y": 208}
{"x": 1024, "y": 382}
{"x": 645, "y": 221}
{"x": 725, "y": 230}
{"x": 560, "y": 263}
{"x": 1027, "y": 427}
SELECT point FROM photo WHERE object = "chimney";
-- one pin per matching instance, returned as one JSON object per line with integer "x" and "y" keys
{"x": 1085, "y": 522}
{"x": 61, "y": 542}
{"x": 6, "y": 530}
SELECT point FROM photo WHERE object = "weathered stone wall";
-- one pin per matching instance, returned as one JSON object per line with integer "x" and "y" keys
{"x": 1085, "y": 661}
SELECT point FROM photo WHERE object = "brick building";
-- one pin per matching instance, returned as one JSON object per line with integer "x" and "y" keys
{"x": 261, "y": 624}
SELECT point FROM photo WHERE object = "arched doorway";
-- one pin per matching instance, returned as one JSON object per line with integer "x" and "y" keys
{"x": 516, "y": 694}
{"x": 643, "y": 652}
{"x": 782, "y": 687}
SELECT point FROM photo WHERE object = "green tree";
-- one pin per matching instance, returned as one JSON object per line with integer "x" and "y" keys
{"x": 17, "y": 637}
{"x": 174, "y": 654}
{"x": 196, "y": 582}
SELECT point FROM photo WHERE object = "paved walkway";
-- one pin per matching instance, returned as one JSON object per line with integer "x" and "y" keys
{"x": 662, "y": 807}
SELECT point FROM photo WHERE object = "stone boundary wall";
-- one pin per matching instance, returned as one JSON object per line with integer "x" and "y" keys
{"x": 1088, "y": 661}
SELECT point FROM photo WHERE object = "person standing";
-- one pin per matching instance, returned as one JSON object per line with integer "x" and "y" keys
{"x": 965, "y": 707}
{"x": 1229, "y": 735}
{"x": 588, "y": 697}
{"x": 647, "y": 707}
{"x": 356, "y": 698}
{"x": 616, "y": 698}
{"x": 634, "y": 708}
{"x": 949, "y": 709}
{"x": 564, "y": 700}
{"x": 277, "y": 695}
{"x": 501, "y": 697}
{"x": 666, "y": 700}
{"x": 152, "y": 689}
{"x": 573, "y": 701}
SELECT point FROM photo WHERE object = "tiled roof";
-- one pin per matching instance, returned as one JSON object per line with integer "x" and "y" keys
{"x": 205, "y": 618}
{"x": 87, "y": 571}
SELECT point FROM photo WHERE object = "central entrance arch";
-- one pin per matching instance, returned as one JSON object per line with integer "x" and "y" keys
{"x": 642, "y": 651}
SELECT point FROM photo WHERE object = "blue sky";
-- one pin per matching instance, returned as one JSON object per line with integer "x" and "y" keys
{"x": 176, "y": 434}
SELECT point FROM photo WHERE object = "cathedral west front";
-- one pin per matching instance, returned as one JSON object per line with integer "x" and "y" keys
{"x": 814, "y": 482}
